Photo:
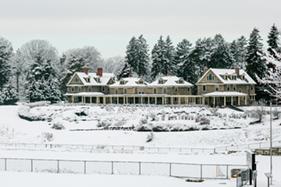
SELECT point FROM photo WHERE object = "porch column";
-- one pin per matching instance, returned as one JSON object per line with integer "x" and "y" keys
{"x": 246, "y": 102}
{"x": 203, "y": 100}
{"x": 163, "y": 100}
{"x": 231, "y": 100}
{"x": 179, "y": 100}
{"x": 72, "y": 99}
{"x": 148, "y": 100}
{"x": 110, "y": 99}
{"x": 224, "y": 101}
{"x": 155, "y": 100}
{"x": 117, "y": 100}
{"x": 104, "y": 100}
{"x": 214, "y": 101}
{"x": 124, "y": 100}
{"x": 238, "y": 100}
{"x": 134, "y": 100}
{"x": 98, "y": 100}
{"x": 172, "y": 100}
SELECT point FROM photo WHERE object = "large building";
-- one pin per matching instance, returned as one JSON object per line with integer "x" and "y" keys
{"x": 221, "y": 87}
{"x": 217, "y": 87}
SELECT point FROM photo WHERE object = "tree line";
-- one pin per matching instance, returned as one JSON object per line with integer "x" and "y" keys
{"x": 189, "y": 61}
{"x": 36, "y": 71}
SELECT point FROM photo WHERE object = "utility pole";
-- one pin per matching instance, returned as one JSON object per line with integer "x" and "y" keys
{"x": 271, "y": 142}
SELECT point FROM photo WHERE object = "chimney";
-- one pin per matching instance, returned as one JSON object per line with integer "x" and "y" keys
{"x": 237, "y": 71}
{"x": 205, "y": 69}
{"x": 85, "y": 69}
{"x": 99, "y": 72}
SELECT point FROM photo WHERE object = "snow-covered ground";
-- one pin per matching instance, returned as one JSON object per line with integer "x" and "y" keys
{"x": 83, "y": 129}
{"x": 88, "y": 125}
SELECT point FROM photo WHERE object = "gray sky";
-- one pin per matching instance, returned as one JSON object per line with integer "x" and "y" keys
{"x": 109, "y": 24}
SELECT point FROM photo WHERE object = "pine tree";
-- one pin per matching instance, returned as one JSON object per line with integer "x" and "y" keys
{"x": 273, "y": 42}
{"x": 143, "y": 63}
{"x": 6, "y": 52}
{"x": 273, "y": 38}
{"x": 8, "y": 95}
{"x": 186, "y": 67}
{"x": 255, "y": 62}
{"x": 163, "y": 58}
{"x": 125, "y": 72}
{"x": 42, "y": 82}
{"x": 221, "y": 57}
{"x": 137, "y": 55}
{"x": 238, "y": 51}
{"x": 201, "y": 55}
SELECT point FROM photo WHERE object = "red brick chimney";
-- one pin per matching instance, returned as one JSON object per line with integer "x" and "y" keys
{"x": 99, "y": 72}
{"x": 85, "y": 69}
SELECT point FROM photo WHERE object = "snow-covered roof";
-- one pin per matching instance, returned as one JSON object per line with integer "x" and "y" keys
{"x": 218, "y": 94}
{"x": 92, "y": 79}
{"x": 129, "y": 82}
{"x": 85, "y": 94}
{"x": 221, "y": 74}
{"x": 168, "y": 81}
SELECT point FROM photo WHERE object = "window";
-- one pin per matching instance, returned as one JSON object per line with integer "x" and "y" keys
{"x": 217, "y": 89}
{"x": 227, "y": 88}
{"x": 204, "y": 88}
{"x": 154, "y": 91}
{"x": 210, "y": 77}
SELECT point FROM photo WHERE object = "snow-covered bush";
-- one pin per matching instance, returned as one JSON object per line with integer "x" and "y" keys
{"x": 58, "y": 126}
{"x": 103, "y": 124}
{"x": 24, "y": 113}
{"x": 47, "y": 137}
{"x": 8, "y": 95}
{"x": 202, "y": 120}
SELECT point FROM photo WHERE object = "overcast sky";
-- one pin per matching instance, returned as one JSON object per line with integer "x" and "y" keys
{"x": 109, "y": 24}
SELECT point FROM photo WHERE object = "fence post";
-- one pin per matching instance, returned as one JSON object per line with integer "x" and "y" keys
{"x": 85, "y": 167}
{"x": 139, "y": 168}
{"x": 226, "y": 171}
{"x": 58, "y": 166}
{"x": 170, "y": 169}
{"x": 5, "y": 160}
{"x": 201, "y": 172}
{"x": 112, "y": 168}
{"x": 31, "y": 165}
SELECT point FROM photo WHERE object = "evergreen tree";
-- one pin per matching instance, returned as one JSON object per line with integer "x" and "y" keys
{"x": 273, "y": 38}
{"x": 186, "y": 67}
{"x": 221, "y": 57}
{"x": 201, "y": 55}
{"x": 42, "y": 82}
{"x": 137, "y": 55}
{"x": 238, "y": 51}
{"x": 125, "y": 72}
{"x": 255, "y": 62}
{"x": 163, "y": 58}
{"x": 6, "y": 52}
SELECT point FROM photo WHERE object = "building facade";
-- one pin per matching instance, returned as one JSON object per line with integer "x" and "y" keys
{"x": 217, "y": 87}
{"x": 222, "y": 87}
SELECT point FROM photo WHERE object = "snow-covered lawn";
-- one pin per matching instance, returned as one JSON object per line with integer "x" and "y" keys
{"x": 15, "y": 179}
{"x": 15, "y": 129}
{"x": 12, "y": 179}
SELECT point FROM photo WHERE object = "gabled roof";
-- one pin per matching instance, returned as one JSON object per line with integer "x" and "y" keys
{"x": 93, "y": 78}
{"x": 130, "y": 82}
{"x": 168, "y": 81}
{"x": 219, "y": 73}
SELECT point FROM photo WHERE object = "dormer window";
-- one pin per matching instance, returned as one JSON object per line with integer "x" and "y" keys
{"x": 87, "y": 79}
{"x": 140, "y": 81}
{"x": 122, "y": 82}
{"x": 97, "y": 79}
{"x": 161, "y": 81}
{"x": 180, "y": 81}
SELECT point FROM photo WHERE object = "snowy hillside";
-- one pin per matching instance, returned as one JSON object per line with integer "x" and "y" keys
{"x": 205, "y": 127}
